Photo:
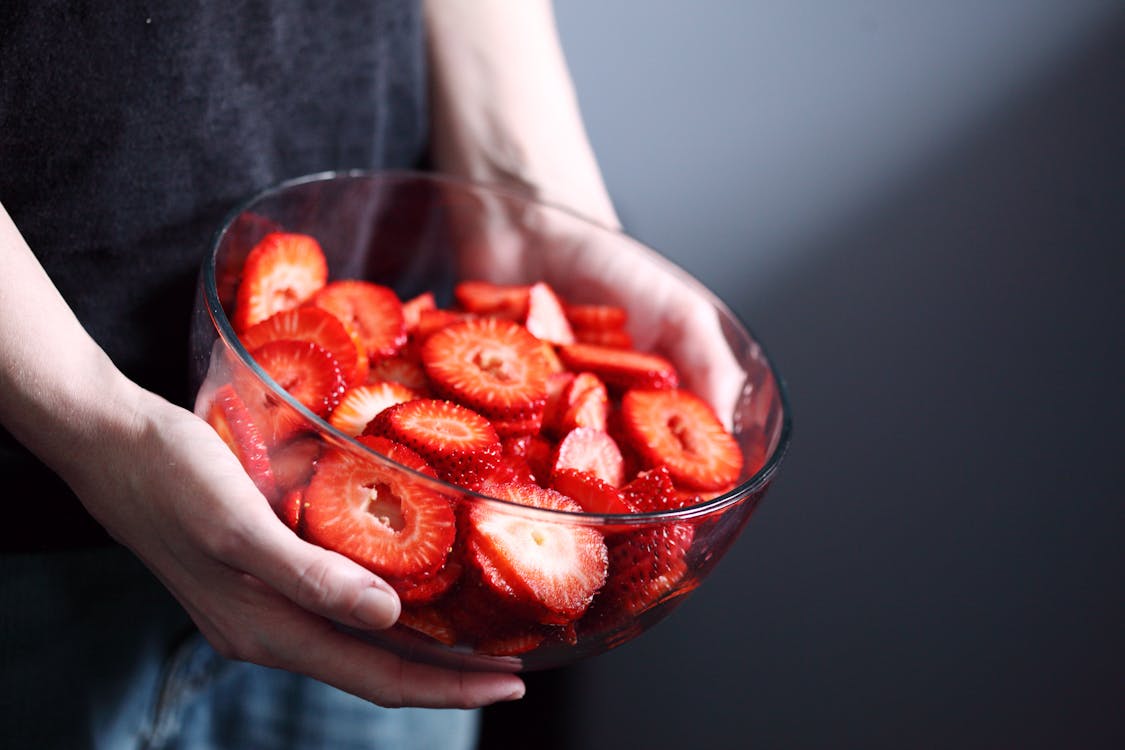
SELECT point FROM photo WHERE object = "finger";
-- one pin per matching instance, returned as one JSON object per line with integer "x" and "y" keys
{"x": 316, "y": 579}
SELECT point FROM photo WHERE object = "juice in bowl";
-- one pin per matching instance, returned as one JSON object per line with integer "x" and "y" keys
{"x": 542, "y": 434}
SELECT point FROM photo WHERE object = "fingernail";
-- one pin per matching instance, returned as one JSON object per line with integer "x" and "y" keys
{"x": 378, "y": 606}
{"x": 516, "y": 694}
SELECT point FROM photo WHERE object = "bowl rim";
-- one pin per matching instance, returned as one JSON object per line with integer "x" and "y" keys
{"x": 225, "y": 330}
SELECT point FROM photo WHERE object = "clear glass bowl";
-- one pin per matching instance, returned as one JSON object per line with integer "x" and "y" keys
{"x": 418, "y": 232}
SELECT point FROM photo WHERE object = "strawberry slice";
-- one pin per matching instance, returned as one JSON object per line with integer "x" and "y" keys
{"x": 316, "y": 325}
{"x": 678, "y": 429}
{"x": 292, "y": 510}
{"x": 620, "y": 368}
{"x": 432, "y": 321}
{"x": 360, "y": 404}
{"x": 423, "y": 589}
{"x": 378, "y": 515}
{"x": 404, "y": 367}
{"x": 459, "y": 443}
{"x": 372, "y": 311}
{"x": 412, "y": 309}
{"x": 306, "y": 370}
{"x": 646, "y": 567}
{"x": 590, "y": 450}
{"x": 546, "y": 318}
{"x": 613, "y": 338}
{"x": 653, "y": 491}
{"x": 491, "y": 365}
{"x": 596, "y": 317}
{"x": 282, "y": 271}
{"x": 485, "y": 298}
{"x": 585, "y": 404}
{"x": 594, "y": 495}
{"x": 430, "y": 622}
{"x": 230, "y": 418}
{"x": 552, "y": 568}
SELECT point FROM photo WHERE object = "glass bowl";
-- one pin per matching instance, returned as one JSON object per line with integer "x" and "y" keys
{"x": 417, "y": 233}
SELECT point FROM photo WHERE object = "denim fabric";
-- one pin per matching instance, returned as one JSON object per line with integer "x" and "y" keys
{"x": 95, "y": 654}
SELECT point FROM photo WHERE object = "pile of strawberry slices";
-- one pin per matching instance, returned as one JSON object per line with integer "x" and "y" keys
{"x": 509, "y": 392}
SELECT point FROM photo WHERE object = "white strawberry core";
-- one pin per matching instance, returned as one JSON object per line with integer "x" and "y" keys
{"x": 384, "y": 505}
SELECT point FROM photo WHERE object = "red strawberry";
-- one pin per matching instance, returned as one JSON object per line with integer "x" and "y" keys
{"x": 378, "y": 515}
{"x": 293, "y": 462}
{"x": 511, "y": 645}
{"x": 552, "y": 568}
{"x": 372, "y": 311}
{"x": 546, "y": 319}
{"x": 232, "y": 420}
{"x": 360, "y": 404}
{"x": 615, "y": 338}
{"x": 431, "y": 622}
{"x": 459, "y": 443}
{"x": 680, "y": 430}
{"x": 620, "y": 368}
{"x": 645, "y": 567}
{"x": 652, "y": 491}
{"x": 586, "y": 404}
{"x": 316, "y": 325}
{"x": 413, "y": 307}
{"x": 555, "y": 407}
{"x": 485, "y": 298}
{"x": 306, "y": 370}
{"x": 594, "y": 495}
{"x": 292, "y": 510}
{"x": 282, "y": 271}
{"x": 596, "y": 317}
{"x": 594, "y": 451}
{"x": 490, "y": 365}
{"x": 432, "y": 321}
{"x": 518, "y": 427}
{"x": 423, "y": 589}
{"x": 404, "y": 367}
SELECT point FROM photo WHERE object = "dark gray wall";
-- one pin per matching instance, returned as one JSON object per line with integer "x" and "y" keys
{"x": 920, "y": 208}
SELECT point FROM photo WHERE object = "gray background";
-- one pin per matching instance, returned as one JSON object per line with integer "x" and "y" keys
{"x": 920, "y": 208}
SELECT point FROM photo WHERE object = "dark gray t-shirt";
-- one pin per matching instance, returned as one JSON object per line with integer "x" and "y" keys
{"x": 128, "y": 130}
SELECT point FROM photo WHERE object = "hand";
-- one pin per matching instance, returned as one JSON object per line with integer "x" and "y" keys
{"x": 169, "y": 489}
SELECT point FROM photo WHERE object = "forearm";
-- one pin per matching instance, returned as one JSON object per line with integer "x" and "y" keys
{"x": 59, "y": 393}
{"x": 504, "y": 106}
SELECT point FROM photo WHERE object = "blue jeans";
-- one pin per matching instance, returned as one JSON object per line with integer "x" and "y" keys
{"x": 94, "y": 653}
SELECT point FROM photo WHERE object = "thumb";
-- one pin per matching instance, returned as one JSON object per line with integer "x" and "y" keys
{"x": 317, "y": 579}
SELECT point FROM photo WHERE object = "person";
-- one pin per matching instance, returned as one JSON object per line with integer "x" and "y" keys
{"x": 149, "y": 596}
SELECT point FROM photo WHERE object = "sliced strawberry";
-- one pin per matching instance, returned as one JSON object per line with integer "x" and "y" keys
{"x": 459, "y": 443}
{"x": 555, "y": 568}
{"x": 539, "y": 452}
{"x": 292, "y": 510}
{"x": 613, "y": 338}
{"x": 646, "y": 566}
{"x": 360, "y": 404}
{"x": 620, "y": 368}
{"x": 511, "y": 645}
{"x": 518, "y": 427}
{"x": 555, "y": 407}
{"x": 490, "y": 365}
{"x": 282, "y": 271}
{"x": 372, "y": 311}
{"x": 590, "y": 450}
{"x": 596, "y": 317}
{"x": 546, "y": 319}
{"x": 423, "y": 589}
{"x": 412, "y": 309}
{"x": 586, "y": 404}
{"x": 680, "y": 430}
{"x": 430, "y": 622}
{"x": 652, "y": 491}
{"x": 311, "y": 324}
{"x": 432, "y": 321}
{"x": 230, "y": 418}
{"x": 306, "y": 370}
{"x": 293, "y": 462}
{"x": 404, "y": 367}
{"x": 378, "y": 515}
{"x": 594, "y": 495}
{"x": 485, "y": 298}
